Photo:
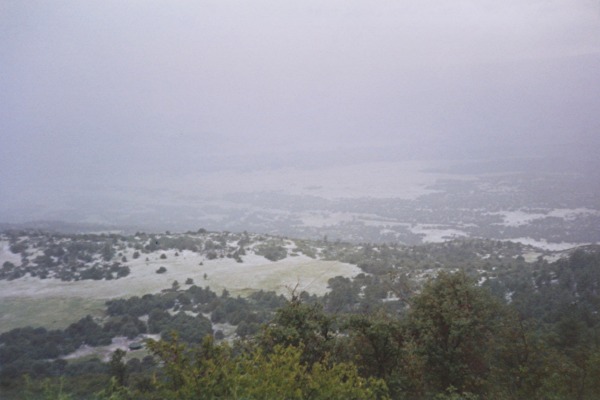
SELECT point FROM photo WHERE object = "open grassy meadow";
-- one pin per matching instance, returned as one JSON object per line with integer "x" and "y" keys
{"x": 53, "y": 303}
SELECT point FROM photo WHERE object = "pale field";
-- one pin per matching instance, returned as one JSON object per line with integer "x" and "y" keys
{"x": 7, "y": 255}
{"x": 50, "y": 312}
{"x": 543, "y": 244}
{"x": 322, "y": 219}
{"x": 434, "y": 234}
{"x": 523, "y": 217}
{"x": 532, "y": 256}
{"x": 54, "y": 303}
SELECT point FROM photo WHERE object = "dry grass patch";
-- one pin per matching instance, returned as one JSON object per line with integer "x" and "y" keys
{"x": 51, "y": 312}
{"x": 53, "y": 303}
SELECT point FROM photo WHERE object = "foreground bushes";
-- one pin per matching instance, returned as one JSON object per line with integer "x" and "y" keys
{"x": 454, "y": 340}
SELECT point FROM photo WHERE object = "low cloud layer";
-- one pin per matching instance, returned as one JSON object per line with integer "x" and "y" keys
{"x": 97, "y": 91}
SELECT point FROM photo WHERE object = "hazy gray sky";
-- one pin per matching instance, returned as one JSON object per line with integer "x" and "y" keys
{"x": 96, "y": 90}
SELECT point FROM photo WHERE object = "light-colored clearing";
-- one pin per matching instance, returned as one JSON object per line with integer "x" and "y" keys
{"x": 253, "y": 274}
{"x": 50, "y": 312}
{"x": 435, "y": 233}
{"x": 517, "y": 218}
{"x": 7, "y": 255}
{"x": 105, "y": 352}
{"x": 532, "y": 256}
{"x": 320, "y": 219}
{"x": 543, "y": 244}
{"x": 53, "y": 303}
{"x": 524, "y": 217}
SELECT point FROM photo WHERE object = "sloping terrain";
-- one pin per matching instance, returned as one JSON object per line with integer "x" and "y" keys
{"x": 51, "y": 299}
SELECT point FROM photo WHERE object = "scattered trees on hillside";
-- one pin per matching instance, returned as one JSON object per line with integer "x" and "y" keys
{"x": 521, "y": 331}
{"x": 272, "y": 250}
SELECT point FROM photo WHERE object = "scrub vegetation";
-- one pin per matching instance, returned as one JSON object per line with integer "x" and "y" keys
{"x": 462, "y": 319}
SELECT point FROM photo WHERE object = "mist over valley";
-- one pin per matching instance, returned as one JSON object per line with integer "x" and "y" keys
{"x": 301, "y": 200}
